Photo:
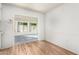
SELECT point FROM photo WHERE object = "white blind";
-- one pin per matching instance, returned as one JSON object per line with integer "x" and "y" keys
{"x": 25, "y": 18}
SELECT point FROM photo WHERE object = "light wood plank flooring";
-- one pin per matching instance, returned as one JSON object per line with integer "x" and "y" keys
{"x": 36, "y": 48}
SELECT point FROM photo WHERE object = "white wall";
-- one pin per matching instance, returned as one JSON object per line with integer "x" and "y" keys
{"x": 62, "y": 26}
{"x": 8, "y": 12}
{"x": 0, "y": 11}
{"x": 0, "y": 25}
{"x": 0, "y": 14}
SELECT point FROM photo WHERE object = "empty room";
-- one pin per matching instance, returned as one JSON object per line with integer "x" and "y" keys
{"x": 39, "y": 28}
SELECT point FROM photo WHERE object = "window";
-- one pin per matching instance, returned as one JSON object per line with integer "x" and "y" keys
{"x": 25, "y": 24}
{"x": 33, "y": 27}
{"x": 22, "y": 27}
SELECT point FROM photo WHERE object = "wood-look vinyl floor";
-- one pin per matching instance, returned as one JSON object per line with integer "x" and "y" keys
{"x": 36, "y": 48}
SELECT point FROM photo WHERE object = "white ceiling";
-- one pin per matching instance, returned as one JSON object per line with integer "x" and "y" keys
{"x": 40, "y": 7}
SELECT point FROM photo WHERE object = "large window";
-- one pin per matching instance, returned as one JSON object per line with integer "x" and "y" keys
{"x": 26, "y": 25}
